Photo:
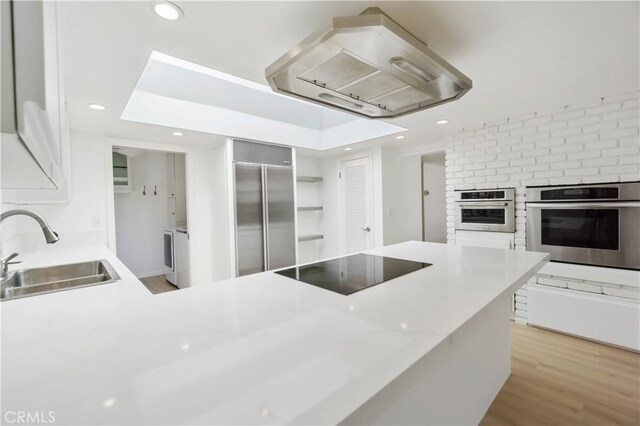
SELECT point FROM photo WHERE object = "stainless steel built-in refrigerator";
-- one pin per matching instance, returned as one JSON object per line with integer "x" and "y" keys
{"x": 264, "y": 206}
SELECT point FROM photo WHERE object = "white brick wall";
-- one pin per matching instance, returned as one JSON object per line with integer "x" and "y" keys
{"x": 591, "y": 142}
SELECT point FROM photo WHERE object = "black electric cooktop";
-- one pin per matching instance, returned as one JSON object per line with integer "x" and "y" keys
{"x": 353, "y": 273}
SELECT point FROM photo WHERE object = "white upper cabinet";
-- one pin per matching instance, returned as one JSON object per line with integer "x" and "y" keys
{"x": 121, "y": 173}
{"x": 35, "y": 153}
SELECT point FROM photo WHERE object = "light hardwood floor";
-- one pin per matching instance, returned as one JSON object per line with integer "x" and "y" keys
{"x": 158, "y": 284}
{"x": 563, "y": 380}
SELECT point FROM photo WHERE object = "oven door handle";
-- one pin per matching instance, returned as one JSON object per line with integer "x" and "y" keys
{"x": 483, "y": 204}
{"x": 617, "y": 205}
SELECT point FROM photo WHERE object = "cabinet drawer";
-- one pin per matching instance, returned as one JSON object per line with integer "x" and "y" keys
{"x": 599, "y": 317}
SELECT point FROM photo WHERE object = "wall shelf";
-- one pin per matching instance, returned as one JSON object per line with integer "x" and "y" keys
{"x": 310, "y": 209}
{"x": 309, "y": 179}
{"x": 310, "y": 237}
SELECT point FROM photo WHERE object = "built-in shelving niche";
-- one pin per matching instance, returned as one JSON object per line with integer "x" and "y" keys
{"x": 310, "y": 237}
{"x": 313, "y": 208}
{"x": 309, "y": 179}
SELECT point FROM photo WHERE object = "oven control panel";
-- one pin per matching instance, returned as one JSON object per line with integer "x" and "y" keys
{"x": 482, "y": 195}
{"x": 616, "y": 191}
{"x": 489, "y": 195}
{"x": 584, "y": 193}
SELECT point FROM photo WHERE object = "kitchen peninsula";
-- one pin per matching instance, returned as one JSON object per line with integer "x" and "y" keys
{"x": 431, "y": 346}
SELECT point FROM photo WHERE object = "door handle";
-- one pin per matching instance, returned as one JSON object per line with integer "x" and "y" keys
{"x": 584, "y": 205}
{"x": 366, "y": 228}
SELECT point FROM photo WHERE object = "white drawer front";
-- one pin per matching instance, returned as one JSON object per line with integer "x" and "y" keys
{"x": 594, "y": 316}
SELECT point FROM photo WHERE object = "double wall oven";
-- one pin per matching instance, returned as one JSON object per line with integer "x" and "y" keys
{"x": 587, "y": 224}
{"x": 485, "y": 210}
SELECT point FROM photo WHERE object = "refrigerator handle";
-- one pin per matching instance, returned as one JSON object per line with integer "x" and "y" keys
{"x": 265, "y": 218}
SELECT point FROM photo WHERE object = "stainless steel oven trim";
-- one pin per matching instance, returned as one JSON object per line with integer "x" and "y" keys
{"x": 629, "y": 191}
{"x": 583, "y": 205}
{"x": 508, "y": 226}
{"x": 628, "y": 254}
{"x": 509, "y": 194}
{"x": 481, "y": 204}
{"x": 265, "y": 217}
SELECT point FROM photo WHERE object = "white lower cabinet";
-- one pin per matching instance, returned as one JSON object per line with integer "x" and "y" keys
{"x": 499, "y": 240}
{"x": 600, "y": 317}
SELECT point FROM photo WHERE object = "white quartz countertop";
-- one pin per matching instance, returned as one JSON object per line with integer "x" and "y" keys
{"x": 261, "y": 349}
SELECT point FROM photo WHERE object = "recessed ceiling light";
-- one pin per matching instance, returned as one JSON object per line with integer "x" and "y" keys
{"x": 97, "y": 107}
{"x": 108, "y": 402}
{"x": 348, "y": 149}
{"x": 442, "y": 121}
{"x": 400, "y": 137}
{"x": 167, "y": 10}
{"x": 177, "y": 133}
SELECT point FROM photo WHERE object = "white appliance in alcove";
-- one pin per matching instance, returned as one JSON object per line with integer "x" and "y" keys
{"x": 176, "y": 256}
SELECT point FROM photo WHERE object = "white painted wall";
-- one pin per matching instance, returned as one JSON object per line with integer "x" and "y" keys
{"x": 391, "y": 182}
{"x": 81, "y": 221}
{"x": 141, "y": 219}
{"x": 222, "y": 240}
{"x": 402, "y": 196}
{"x": 378, "y": 197}
{"x": 411, "y": 205}
{"x": 399, "y": 204}
{"x": 434, "y": 204}
{"x": 180, "y": 184}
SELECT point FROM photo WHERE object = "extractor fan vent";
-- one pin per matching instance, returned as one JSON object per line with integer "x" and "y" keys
{"x": 367, "y": 65}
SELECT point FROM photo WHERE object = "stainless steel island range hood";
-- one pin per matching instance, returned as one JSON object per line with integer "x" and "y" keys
{"x": 368, "y": 65}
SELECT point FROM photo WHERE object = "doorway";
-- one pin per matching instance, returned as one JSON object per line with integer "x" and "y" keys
{"x": 355, "y": 192}
{"x": 434, "y": 209}
{"x": 150, "y": 212}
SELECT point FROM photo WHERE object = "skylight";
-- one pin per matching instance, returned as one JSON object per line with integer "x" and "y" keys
{"x": 175, "y": 93}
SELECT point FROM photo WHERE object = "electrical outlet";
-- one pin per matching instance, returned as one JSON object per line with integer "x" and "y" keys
{"x": 95, "y": 220}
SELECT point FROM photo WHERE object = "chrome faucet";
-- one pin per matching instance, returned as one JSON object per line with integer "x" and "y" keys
{"x": 49, "y": 234}
{"x": 5, "y": 264}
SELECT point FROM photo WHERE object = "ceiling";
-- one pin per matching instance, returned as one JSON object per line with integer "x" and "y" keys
{"x": 521, "y": 56}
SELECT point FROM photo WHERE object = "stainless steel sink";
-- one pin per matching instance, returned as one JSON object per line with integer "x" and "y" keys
{"x": 36, "y": 281}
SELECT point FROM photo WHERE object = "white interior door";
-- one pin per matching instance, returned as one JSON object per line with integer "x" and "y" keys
{"x": 356, "y": 218}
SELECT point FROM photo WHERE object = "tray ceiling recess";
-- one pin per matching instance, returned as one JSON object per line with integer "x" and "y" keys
{"x": 367, "y": 65}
